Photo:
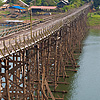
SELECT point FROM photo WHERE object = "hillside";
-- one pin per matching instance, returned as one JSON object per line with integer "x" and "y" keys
{"x": 51, "y": 2}
{"x": 47, "y": 2}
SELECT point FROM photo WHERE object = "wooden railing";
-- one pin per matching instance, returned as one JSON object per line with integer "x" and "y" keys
{"x": 27, "y": 26}
{"x": 10, "y": 44}
{"x": 23, "y": 41}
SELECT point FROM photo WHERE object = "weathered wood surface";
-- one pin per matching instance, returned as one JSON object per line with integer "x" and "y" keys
{"x": 31, "y": 64}
{"x": 15, "y": 42}
{"x": 27, "y": 26}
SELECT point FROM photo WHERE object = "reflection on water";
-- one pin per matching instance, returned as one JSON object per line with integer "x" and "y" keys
{"x": 85, "y": 84}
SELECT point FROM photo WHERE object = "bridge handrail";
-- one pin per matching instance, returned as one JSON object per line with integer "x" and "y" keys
{"x": 23, "y": 26}
{"x": 50, "y": 17}
{"x": 22, "y": 41}
{"x": 15, "y": 43}
{"x": 46, "y": 18}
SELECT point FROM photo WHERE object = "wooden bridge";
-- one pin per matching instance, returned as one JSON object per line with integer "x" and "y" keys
{"x": 33, "y": 63}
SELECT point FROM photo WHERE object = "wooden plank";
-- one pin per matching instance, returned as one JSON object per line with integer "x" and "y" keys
{"x": 57, "y": 98}
{"x": 7, "y": 81}
{"x": 44, "y": 95}
{"x": 15, "y": 84}
{"x": 77, "y": 66}
{"x": 15, "y": 68}
{"x": 23, "y": 75}
{"x": 73, "y": 70}
{"x": 0, "y": 82}
{"x": 59, "y": 91}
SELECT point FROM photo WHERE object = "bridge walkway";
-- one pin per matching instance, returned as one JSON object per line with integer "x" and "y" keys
{"x": 16, "y": 41}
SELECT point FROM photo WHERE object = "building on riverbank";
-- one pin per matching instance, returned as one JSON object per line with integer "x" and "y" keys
{"x": 42, "y": 8}
{"x": 5, "y": 6}
{"x": 62, "y": 3}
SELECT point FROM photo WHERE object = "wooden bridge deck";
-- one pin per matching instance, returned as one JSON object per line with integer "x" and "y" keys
{"x": 32, "y": 64}
{"x": 16, "y": 41}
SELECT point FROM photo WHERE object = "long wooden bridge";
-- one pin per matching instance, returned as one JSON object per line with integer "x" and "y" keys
{"x": 35, "y": 57}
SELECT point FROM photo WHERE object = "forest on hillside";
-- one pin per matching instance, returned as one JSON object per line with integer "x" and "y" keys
{"x": 46, "y": 2}
{"x": 73, "y": 3}
{"x": 51, "y": 2}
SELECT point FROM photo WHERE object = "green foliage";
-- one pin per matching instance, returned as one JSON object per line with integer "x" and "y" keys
{"x": 0, "y": 17}
{"x": 94, "y": 18}
{"x": 49, "y": 2}
{"x": 96, "y": 3}
{"x": 76, "y": 3}
{"x": 73, "y": 4}
{"x": 12, "y": 1}
{"x": 67, "y": 7}
{"x": 4, "y": 12}
{"x": 42, "y": 2}
{"x": 1, "y": 2}
{"x": 26, "y": 18}
{"x": 38, "y": 2}
{"x": 87, "y": 1}
{"x": 98, "y": 12}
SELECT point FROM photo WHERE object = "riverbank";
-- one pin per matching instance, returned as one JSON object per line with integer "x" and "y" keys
{"x": 94, "y": 20}
{"x": 95, "y": 27}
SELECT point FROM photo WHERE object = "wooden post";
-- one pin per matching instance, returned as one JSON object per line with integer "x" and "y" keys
{"x": 31, "y": 22}
{"x": 38, "y": 71}
{"x": 16, "y": 80}
{"x": 43, "y": 69}
{"x": 4, "y": 46}
{"x": 7, "y": 77}
{"x": 23, "y": 75}
{"x": 55, "y": 67}
{"x": 0, "y": 81}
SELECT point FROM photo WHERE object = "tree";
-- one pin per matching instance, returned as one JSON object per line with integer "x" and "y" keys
{"x": 38, "y": 2}
{"x": 42, "y": 2}
{"x": 87, "y": 0}
{"x": 52, "y": 2}
{"x": 96, "y": 3}
{"x": 1, "y": 2}
{"x": 11, "y": 1}
{"x": 49, "y": 2}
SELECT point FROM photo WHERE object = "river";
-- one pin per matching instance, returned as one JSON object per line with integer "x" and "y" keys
{"x": 85, "y": 84}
